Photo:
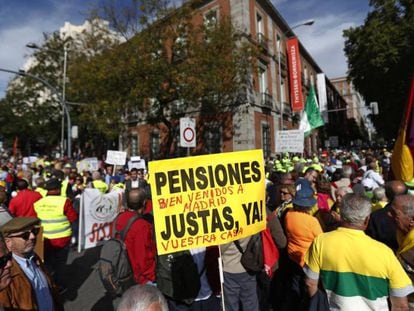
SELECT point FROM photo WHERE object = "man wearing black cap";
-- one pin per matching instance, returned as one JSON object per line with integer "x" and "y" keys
{"x": 31, "y": 288}
{"x": 56, "y": 214}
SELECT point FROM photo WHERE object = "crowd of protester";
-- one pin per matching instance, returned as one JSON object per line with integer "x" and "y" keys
{"x": 343, "y": 227}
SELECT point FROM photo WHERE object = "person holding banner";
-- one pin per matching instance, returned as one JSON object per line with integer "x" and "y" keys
{"x": 98, "y": 183}
{"x": 140, "y": 240}
{"x": 240, "y": 287}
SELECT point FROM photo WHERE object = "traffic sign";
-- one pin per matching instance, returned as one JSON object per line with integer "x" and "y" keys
{"x": 187, "y": 132}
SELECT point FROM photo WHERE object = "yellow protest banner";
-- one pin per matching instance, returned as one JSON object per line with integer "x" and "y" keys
{"x": 207, "y": 200}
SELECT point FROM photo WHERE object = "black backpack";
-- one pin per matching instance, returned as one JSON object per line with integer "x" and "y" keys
{"x": 114, "y": 266}
{"x": 178, "y": 277}
{"x": 252, "y": 256}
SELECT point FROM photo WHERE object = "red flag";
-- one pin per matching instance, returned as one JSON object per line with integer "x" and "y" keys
{"x": 16, "y": 141}
{"x": 403, "y": 154}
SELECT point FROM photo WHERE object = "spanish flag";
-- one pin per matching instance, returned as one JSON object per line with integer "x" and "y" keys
{"x": 403, "y": 153}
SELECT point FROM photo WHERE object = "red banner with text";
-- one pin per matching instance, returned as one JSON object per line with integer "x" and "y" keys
{"x": 294, "y": 75}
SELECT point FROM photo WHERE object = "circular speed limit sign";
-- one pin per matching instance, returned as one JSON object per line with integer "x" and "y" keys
{"x": 188, "y": 134}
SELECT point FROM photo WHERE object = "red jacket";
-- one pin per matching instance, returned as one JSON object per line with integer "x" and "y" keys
{"x": 22, "y": 203}
{"x": 140, "y": 244}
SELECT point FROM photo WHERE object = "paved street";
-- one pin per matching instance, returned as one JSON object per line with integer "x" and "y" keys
{"x": 85, "y": 290}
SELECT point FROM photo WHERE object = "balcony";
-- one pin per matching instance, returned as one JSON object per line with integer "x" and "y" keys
{"x": 287, "y": 110}
{"x": 266, "y": 100}
{"x": 283, "y": 61}
{"x": 262, "y": 41}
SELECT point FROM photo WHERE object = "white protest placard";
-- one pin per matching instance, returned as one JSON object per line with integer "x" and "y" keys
{"x": 139, "y": 164}
{"x": 29, "y": 160}
{"x": 98, "y": 211}
{"x": 290, "y": 141}
{"x": 116, "y": 157}
{"x": 88, "y": 164}
{"x": 135, "y": 158}
{"x": 187, "y": 132}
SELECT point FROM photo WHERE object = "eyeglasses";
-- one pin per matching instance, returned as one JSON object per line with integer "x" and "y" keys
{"x": 284, "y": 192}
{"x": 26, "y": 235}
{"x": 5, "y": 259}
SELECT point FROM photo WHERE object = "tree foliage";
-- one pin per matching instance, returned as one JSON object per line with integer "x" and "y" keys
{"x": 170, "y": 62}
{"x": 380, "y": 57}
{"x": 37, "y": 110}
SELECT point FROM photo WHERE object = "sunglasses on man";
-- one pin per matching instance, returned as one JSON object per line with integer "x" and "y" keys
{"x": 5, "y": 259}
{"x": 26, "y": 235}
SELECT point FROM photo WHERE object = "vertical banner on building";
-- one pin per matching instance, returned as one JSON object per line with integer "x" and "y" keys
{"x": 322, "y": 98}
{"x": 294, "y": 75}
{"x": 207, "y": 200}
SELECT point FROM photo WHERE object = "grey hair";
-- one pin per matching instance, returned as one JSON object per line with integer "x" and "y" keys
{"x": 407, "y": 203}
{"x": 344, "y": 190}
{"x": 140, "y": 297}
{"x": 379, "y": 193}
{"x": 355, "y": 209}
{"x": 96, "y": 175}
{"x": 347, "y": 171}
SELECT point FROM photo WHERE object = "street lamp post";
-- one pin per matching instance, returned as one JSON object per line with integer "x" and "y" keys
{"x": 54, "y": 90}
{"x": 63, "y": 98}
{"x": 279, "y": 47}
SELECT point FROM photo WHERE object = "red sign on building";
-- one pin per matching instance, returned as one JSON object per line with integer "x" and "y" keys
{"x": 294, "y": 75}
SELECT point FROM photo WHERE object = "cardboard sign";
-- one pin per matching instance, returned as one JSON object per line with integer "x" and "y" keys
{"x": 29, "y": 160}
{"x": 207, "y": 200}
{"x": 290, "y": 141}
{"x": 98, "y": 211}
{"x": 116, "y": 157}
{"x": 136, "y": 162}
{"x": 88, "y": 164}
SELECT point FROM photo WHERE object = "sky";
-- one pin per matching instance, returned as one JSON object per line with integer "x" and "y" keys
{"x": 25, "y": 21}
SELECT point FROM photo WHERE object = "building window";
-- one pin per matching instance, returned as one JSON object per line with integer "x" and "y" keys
{"x": 180, "y": 44}
{"x": 213, "y": 138}
{"x": 211, "y": 18}
{"x": 134, "y": 145}
{"x": 283, "y": 91}
{"x": 155, "y": 144}
{"x": 266, "y": 140}
{"x": 262, "y": 78}
{"x": 259, "y": 24}
{"x": 305, "y": 75}
{"x": 278, "y": 44}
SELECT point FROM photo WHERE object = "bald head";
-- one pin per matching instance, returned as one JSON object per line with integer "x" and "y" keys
{"x": 395, "y": 188}
{"x": 406, "y": 202}
{"x": 136, "y": 199}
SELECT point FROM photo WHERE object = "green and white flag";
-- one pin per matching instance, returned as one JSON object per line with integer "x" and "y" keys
{"x": 311, "y": 116}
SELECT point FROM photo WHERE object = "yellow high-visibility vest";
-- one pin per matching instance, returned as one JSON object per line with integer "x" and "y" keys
{"x": 100, "y": 185}
{"x": 50, "y": 210}
{"x": 64, "y": 188}
{"x": 42, "y": 191}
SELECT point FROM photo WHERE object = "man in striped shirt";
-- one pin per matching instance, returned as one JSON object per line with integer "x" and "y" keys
{"x": 357, "y": 272}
